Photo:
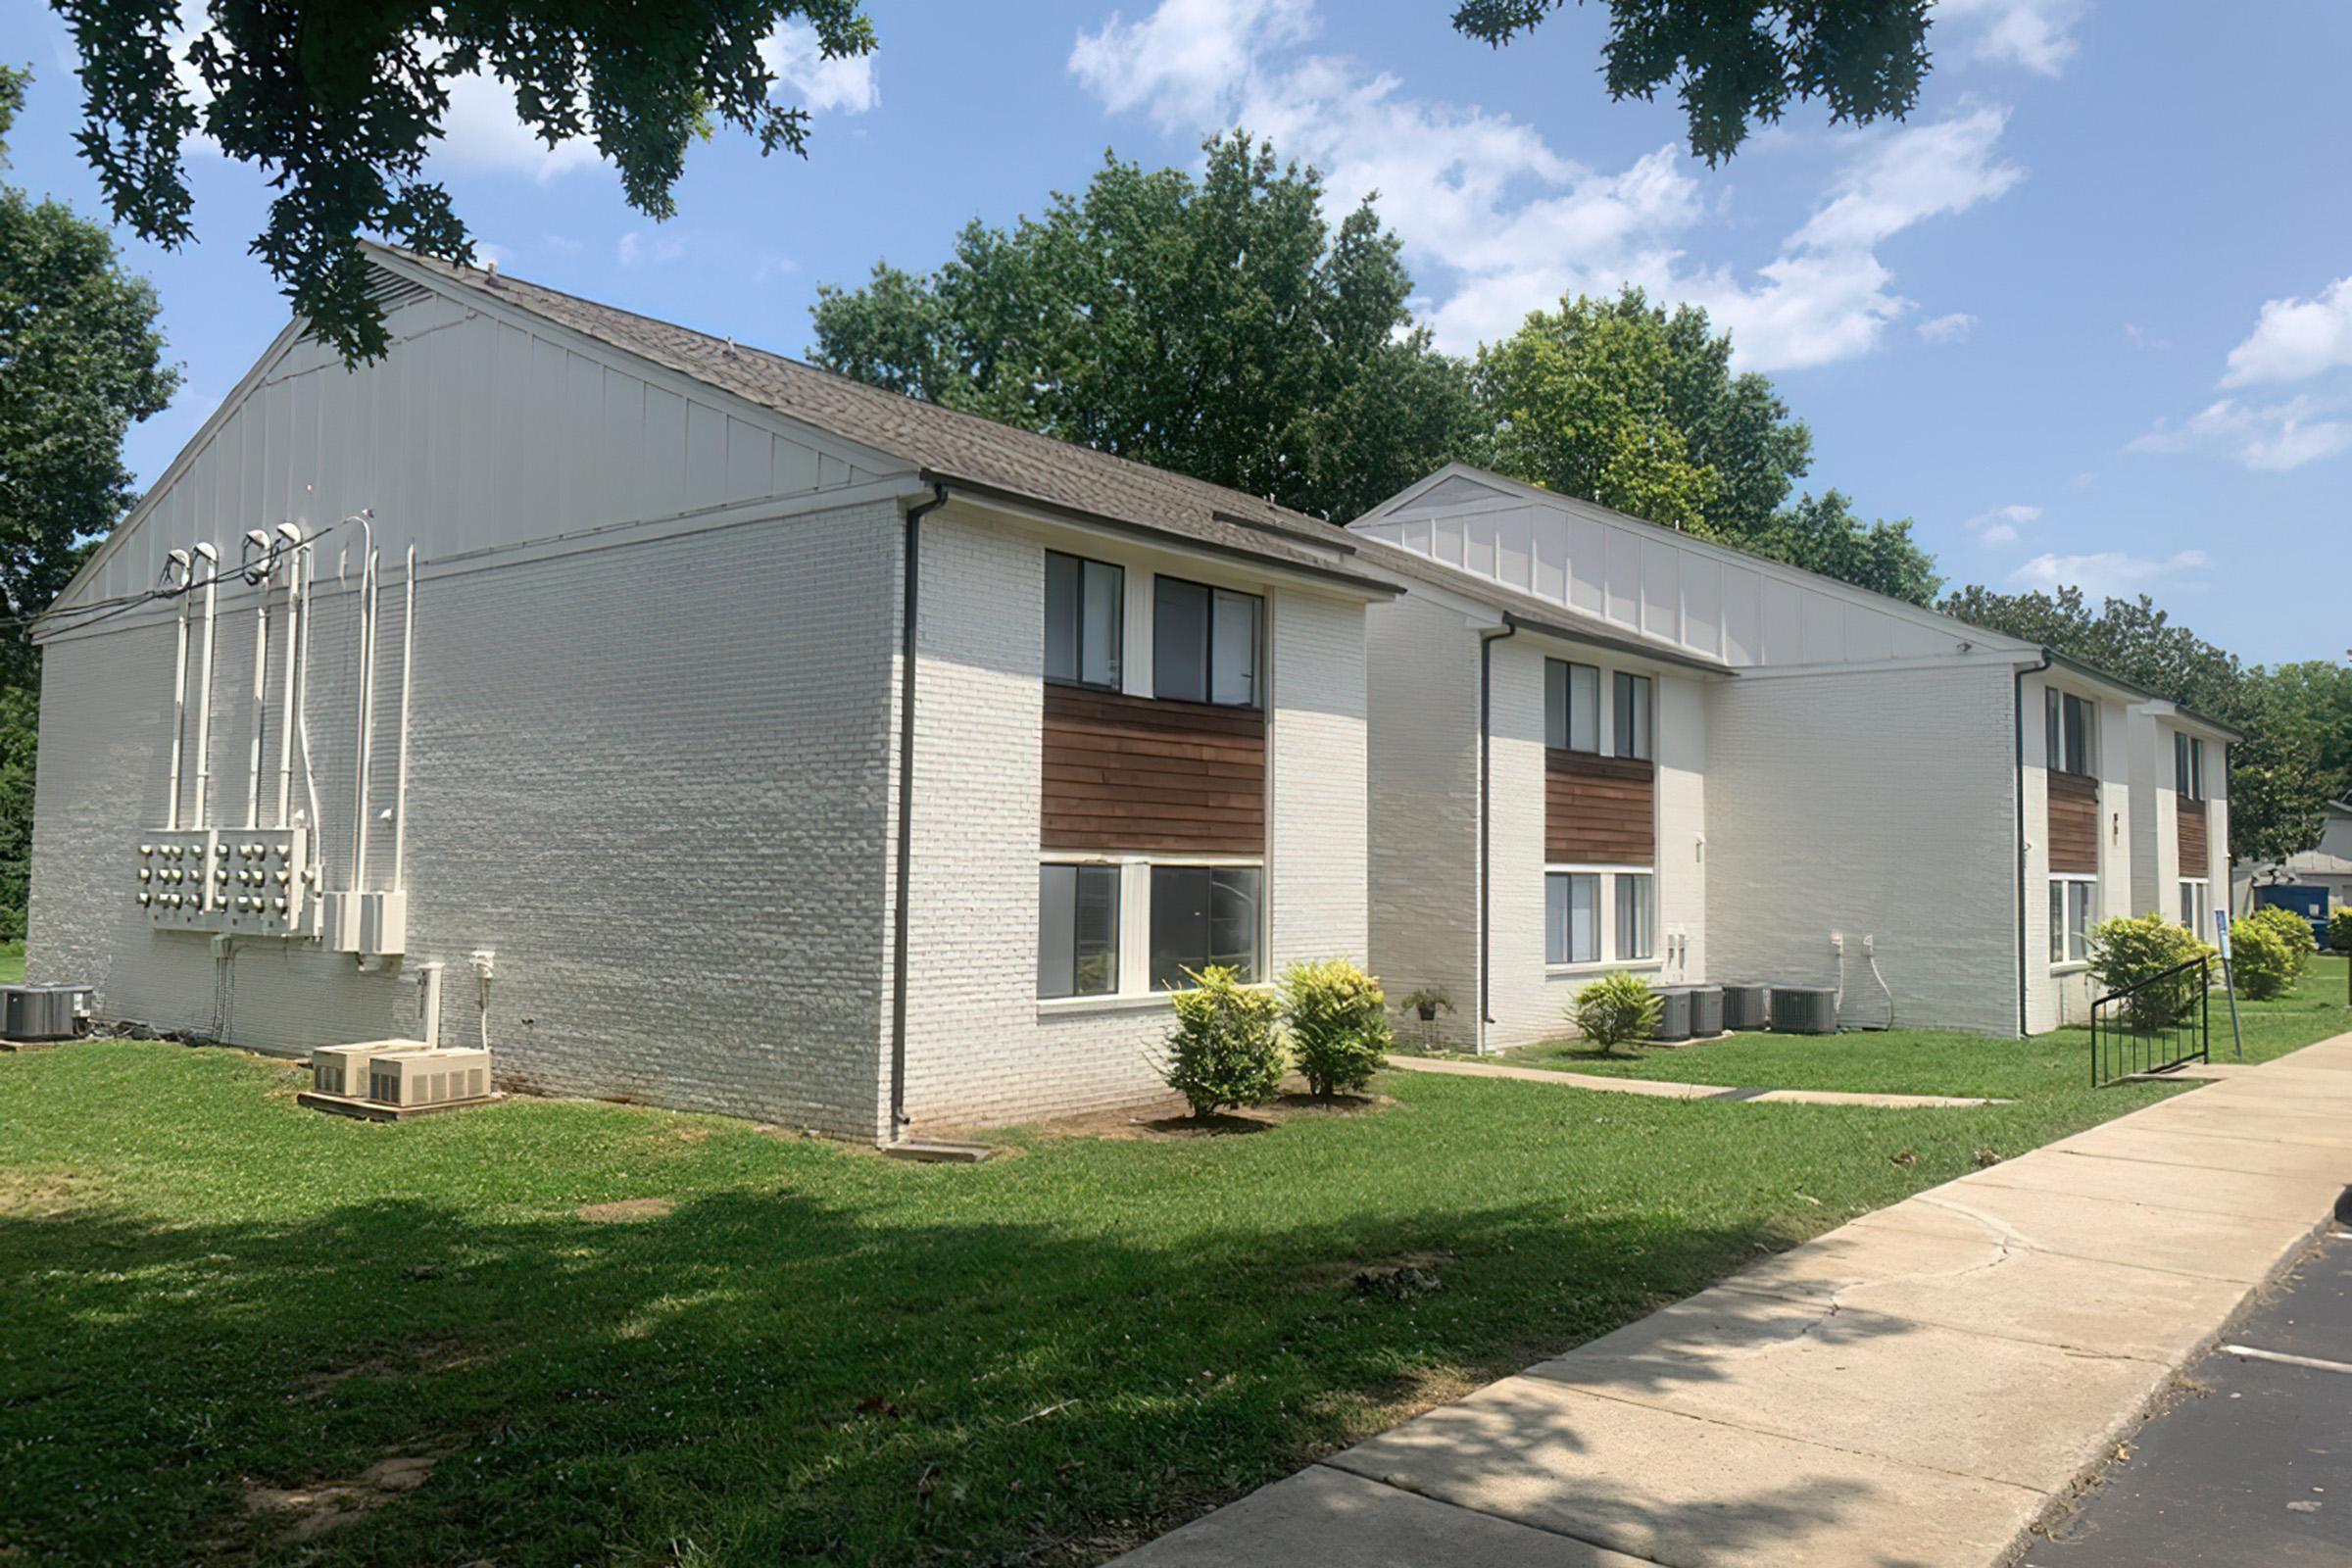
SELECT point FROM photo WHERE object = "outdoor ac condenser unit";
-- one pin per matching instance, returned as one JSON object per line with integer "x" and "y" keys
{"x": 342, "y": 1070}
{"x": 1674, "y": 1014}
{"x": 409, "y": 1079}
{"x": 1706, "y": 1011}
{"x": 29, "y": 1013}
{"x": 1804, "y": 1009}
{"x": 1747, "y": 1006}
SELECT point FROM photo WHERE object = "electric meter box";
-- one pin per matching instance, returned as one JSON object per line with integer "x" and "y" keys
{"x": 176, "y": 881}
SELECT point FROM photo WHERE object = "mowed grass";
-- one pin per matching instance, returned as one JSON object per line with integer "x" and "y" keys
{"x": 1924, "y": 1062}
{"x": 12, "y": 963}
{"x": 817, "y": 1355}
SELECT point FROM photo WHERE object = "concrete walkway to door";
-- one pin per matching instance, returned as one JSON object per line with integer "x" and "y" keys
{"x": 1665, "y": 1089}
{"x": 1916, "y": 1388}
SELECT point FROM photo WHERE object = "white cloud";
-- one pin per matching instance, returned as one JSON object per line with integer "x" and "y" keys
{"x": 638, "y": 246}
{"x": 2294, "y": 339}
{"x": 2274, "y": 438}
{"x": 1948, "y": 329}
{"x": 2109, "y": 573}
{"x": 1500, "y": 223}
{"x": 2140, "y": 337}
{"x": 1999, "y": 526}
{"x": 481, "y": 134}
{"x": 2037, "y": 34}
{"x": 817, "y": 84}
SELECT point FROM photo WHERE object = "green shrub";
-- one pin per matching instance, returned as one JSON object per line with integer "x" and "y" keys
{"x": 2131, "y": 951}
{"x": 2295, "y": 931}
{"x": 1224, "y": 1050}
{"x": 2340, "y": 929}
{"x": 1615, "y": 1008}
{"x": 2261, "y": 961}
{"x": 1338, "y": 1021}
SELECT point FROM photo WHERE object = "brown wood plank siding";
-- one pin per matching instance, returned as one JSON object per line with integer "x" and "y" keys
{"x": 2196, "y": 848}
{"x": 2074, "y": 824}
{"x": 1125, "y": 772}
{"x": 1599, "y": 810}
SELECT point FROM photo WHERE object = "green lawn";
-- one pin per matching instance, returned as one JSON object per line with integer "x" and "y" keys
{"x": 820, "y": 1354}
{"x": 12, "y": 963}
{"x": 1924, "y": 1062}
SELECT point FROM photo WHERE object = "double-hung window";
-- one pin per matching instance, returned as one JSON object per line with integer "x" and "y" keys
{"x": 2074, "y": 910}
{"x": 1077, "y": 930}
{"x": 2069, "y": 732}
{"x": 1204, "y": 914}
{"x": 1571, "y": 705}
{"x": 2188, "y": 766}
{"x": 1571, "y": 917}
{"x": 2196, "y": 905}
{"x": 1084, "y": 620}
{"x": 1636, "y": 915}
{"x": 1633, "y": 715}
{"x": 1206, "y": 644}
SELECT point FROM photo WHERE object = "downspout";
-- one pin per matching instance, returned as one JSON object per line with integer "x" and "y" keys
{"x": 2023, "y": 959}
{"x": 905, "y": 873}
{"x": 1485, "y": 828}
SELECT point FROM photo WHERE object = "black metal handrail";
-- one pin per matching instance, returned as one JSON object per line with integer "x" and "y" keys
{"x": 2152, "y": 1025}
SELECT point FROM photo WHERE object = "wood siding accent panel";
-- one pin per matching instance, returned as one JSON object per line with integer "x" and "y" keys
{"x": 1127, "y": 773}
{"x": 1599, "y": 810}
{"x": 2197, "y": 847}
{"x": 2074, "y": 824}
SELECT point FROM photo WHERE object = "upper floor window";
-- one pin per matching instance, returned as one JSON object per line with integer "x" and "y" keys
{"x": 1085, "y": 619}
{"x": 2188, "y": 766}
{"x": 2070, "y": 732}
{"x": 1206, "y": 644}
{"x": 1633, "y": 715}
{"x": 1571, "y": 705}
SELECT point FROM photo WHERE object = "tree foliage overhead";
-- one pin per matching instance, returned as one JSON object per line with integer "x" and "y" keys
{"x": 1215, "y": 327}
{"x": 80, "y": 361}
{"x": 2280, "y": 775}
{"x": 1636, "y": 407}
{"x": 1734, "y": 64}
{"x": 341, "y": 104}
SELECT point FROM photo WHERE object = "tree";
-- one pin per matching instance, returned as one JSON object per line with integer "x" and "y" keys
{"x": 80, "y": 361}
{"x": 1739, "y": 61}
{"x": 2278, "y": 785}
{"x": 1826, "y": 536}
{"x": 2315, "y": 700}
{"x": 341, "y": 104}
{"x": 1218, "y": 328}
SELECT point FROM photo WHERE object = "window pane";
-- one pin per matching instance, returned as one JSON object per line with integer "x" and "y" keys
{"x": 2057, "y": 922}
{"x": 1202, "y": 915}
{"x": 1555, "y": 919}
{"x": 1077, "y": 930}
{"x": 1100, "y": 624}
{"x": 1233, "y": 650}
{"x": 1233, "y": 918}
{"x": 2053, "y": 743}
{"x": 2077, "y": 735}
{"x": 1061, "y": 617}
{"x": 1057, "y": 926}
{"x": 1180, "y": 641}
{"x": 2082, "y": 913}
{"x": 1555, "y": 708}
{"x": 1633, "y": 715}
{"x": 1636, "y": 934}
{"x": 1584, "y": 708}
{"x": 1583, "y": 918}
{"x": 2188, "y": 906}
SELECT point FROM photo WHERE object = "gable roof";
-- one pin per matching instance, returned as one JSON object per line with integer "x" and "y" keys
{"x": 949, "y": 446}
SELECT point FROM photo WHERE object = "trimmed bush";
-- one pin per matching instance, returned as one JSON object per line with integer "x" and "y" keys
{"x": 2130, "y": 951}
{"x": 1224, "y": 1050}
{"x": 1615, "y": 1008}
{"x": 1338, "y": 1021}
{"x": 2259, "y": 960}
{"x": 2340, "y": 929}
{"x": 2295, "y": 931}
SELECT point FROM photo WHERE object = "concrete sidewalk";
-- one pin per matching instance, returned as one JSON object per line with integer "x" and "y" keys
{"x": 1913, "y": 1389}
{"x": 1666, "y": 1089}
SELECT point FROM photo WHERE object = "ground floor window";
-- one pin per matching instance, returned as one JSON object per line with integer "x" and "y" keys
{"x": 1597, "y": 912}
{"x": 2196, "y": 905}
{"x": 1204, "y": 914}
{"x": 1077, "y": 930}
{"x": 2074, "y": 910}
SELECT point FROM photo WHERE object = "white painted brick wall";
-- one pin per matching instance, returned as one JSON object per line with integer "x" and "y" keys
{"x": 980, "y": 1046}
{"x": 652, "y": 778}
{"x": 1872, "y": 802}
{"x": 2061, "y": 995}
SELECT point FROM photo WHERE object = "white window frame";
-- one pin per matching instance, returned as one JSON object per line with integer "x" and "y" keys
{"x": 2061, "y": 934}
{"x": 2054, "y": 732}
{"x": 1118, "y": 680}
{"x": 1259, "y": 637}
{"x": 2188, "y": 766}
{"x": 1605, "y": 918}
{"x": 1559, "y": 693}
{"x": 2196, "y": 905}
{"x": 1135, "y": 924}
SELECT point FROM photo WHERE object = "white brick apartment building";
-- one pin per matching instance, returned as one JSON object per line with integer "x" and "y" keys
{"x": 648, "y": 744}
{"x": 1600, "y": 744}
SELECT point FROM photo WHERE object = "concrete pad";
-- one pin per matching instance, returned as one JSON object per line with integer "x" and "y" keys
{"x": 2167, "y": 1187}
{"x": 1686, "y": 1492}
{"x": 2161, "y": 1145}
{"x": 1980, "y": 1285}
{"x": 1844, "y": 1096}
{"x": 1323, "y": 1516}
{"x": 2195, "y": 1114}
{"x": 1572, "y": 1080}
{"x": 2214, "y": 1246}
{"x": 2031, "y": 1416}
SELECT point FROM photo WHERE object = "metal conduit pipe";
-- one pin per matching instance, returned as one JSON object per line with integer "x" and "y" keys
{"x": 908, "y": 651}
{"x": 210, "y": 558}
{"x": 259, "y": 576}
{"x": 408, "y": 674}
{"x": 290, "y": 538}
{"x": 308, "y": 563}
{"x": 365, "y": 728}
{"x": 1485, "y": 829}
{"x": 179, "y": 680}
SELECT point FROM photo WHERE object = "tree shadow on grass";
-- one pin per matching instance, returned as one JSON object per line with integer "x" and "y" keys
{"x": 756, "y": 1376}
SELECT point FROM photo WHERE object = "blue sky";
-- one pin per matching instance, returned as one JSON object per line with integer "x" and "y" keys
{"x": 2086, "y": 316}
